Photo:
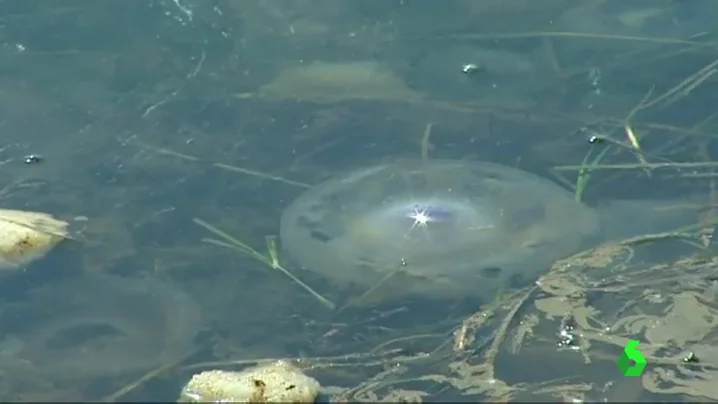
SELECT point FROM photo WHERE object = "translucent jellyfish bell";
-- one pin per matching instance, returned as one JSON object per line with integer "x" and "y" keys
{"x": 444, "y": 227}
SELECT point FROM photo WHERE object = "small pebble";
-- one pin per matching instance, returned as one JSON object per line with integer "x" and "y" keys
{"x": 32, "y": 159}
{"x": 470, "y": 68}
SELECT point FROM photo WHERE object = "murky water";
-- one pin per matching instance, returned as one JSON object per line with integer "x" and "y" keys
{"x": 130, "y": 120}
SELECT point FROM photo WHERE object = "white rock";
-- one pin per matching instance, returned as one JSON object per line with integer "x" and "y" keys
{"x": 27, "y": 236}
{"x": 266, "y": 383}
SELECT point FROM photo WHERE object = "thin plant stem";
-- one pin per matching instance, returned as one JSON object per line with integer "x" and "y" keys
{"x": 271, "y": 261}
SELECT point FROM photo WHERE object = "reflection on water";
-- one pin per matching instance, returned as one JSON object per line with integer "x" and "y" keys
{"x": 228, "y": 111}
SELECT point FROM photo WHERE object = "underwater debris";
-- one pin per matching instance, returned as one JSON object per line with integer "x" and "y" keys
{"x": 338, "y": 81}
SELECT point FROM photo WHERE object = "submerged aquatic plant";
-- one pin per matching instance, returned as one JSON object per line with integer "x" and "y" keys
{"x": 271, "y": 259}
